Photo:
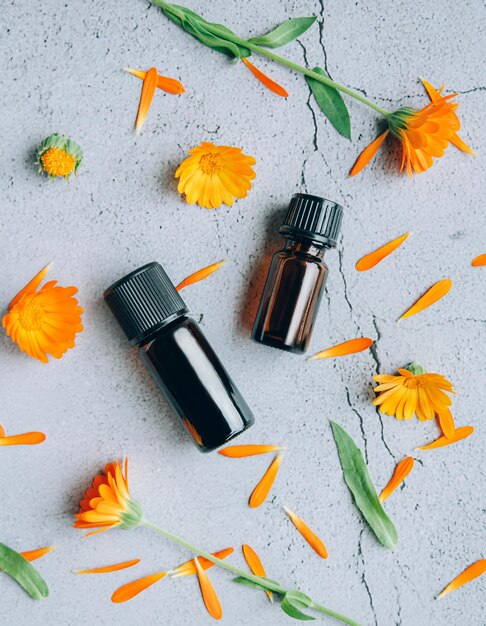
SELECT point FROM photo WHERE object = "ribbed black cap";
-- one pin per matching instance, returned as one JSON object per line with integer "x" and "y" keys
{"x": 313, "y": 217}
{"x": 144, "y": 301}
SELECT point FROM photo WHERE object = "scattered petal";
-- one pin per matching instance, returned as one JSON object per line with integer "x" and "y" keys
{"x": 32, "y": 555}
{"x": 368, "y": 153}
{"x": 265, "y": 80}
{"x": 2, "y": 431}
{"x": 31, "y": 286}
{"x": 146, "y": 97}
{"x": 459, "y": 434}
{"x": 435, "y": 293}
{"x": 200, "y": 275}
{"x": 309, "y": 535}
{"x": 108, "y": 568}
{"x": 189, "y": 567}
{"x": 170, "y": 85}
{"x": 262, "y": 490}
{"x": 25, "y": 439}
{"x": 210, "y": 598}
{"x": 242, "y": 451}
{"x": 255, "y": 564}
{"x": 352, "y": 346}
{"x": 446, "y": 423}
{"x": 402, "y": 470}
{"x": 470, "y": 573}
{"x": 130, "y": 590}
{"x": 373, "y": 258}
{"x": 479, "y": 261}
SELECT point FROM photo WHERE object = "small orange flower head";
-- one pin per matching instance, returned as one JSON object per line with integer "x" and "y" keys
{"x": 413, "y": 392}
{"x": 44, "y": 321}
{"x": 213, "y": 175}
{"x": 59, "y": 156}
{"x": 107, "y": 503}
{"x": 424, "y": 134}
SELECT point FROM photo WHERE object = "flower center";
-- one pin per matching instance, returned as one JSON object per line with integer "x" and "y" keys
{"x": 211, "y": 163}
{"x": 415, "y": 382}
{"x": 31, "y": 316}
{"x": 58, "y": 162}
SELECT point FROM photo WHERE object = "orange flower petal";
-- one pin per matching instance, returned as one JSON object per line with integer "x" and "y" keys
{"x": 189, "y": 567}
{"x": 130, "y": 590}
{"x": 170, "y": 85}
{"x": 200, "y": 275}
{"x": 446, "y": 423}
{"x": 368, "y": 153}
{"x": 346, "y": 347}
{"x": 146, "y": 97}
{"x": 255, "y": 564}
{"x": 479, "y": 261}
{"x": 372, "y": 259}
{"x": 239, "y": 452}
{"x": 210, "y": 598}
{"x": 31, "y": 286}
{"x": 2, "y": 431}
{"x": 262, "y": 490}
{"x": 108, "y": 568}
{"x": 32, "y": 555}
{"x": 309, "y": 535}
{"x": 435, "y": 293}
{"x": 459, "y": 434}
{"x": 25, "y": 439}
{"x": 470, "y": 573}
{"x": 265, "y": 80}
{"x": 402, "y": 470}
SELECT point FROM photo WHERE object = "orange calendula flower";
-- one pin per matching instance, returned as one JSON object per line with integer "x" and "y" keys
{"x": 170, "y": 85}
{"x": 309, "y": 535}
{"x": 424, "y": 134}
{"x": 201, "y": 274}
{"x": 402, "y": 470}
{"x": 266, "y": 80}
{"x": 261, "y": 491}
{"x": 214, "y": 175}
{"x": 470, "y": 573}
{"x": 44, "y": 321}
{"x": 107, "y": 503}
{"x": 413, "y": 392}
{"x": 24, "y": 439}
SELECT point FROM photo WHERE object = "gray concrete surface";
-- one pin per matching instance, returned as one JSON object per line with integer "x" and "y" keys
{"x": 61, "y": 71}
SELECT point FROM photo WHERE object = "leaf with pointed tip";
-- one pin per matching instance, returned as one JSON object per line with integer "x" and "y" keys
{"x": 293, "y": 601}
{"x": 284, "y": 33}
{"x": 18, "y": 568}
{"x": 240, "y": 580}
{"x": 331, "y": 103}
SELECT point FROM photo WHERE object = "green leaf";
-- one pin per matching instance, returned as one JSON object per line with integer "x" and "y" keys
{"x": 210, "y": 34}
{"x": 331, "y": 103}
{"x": 359, "y": 482}
{"x": 284, "y": 33}
{"x": 241, "y": 580}
{"x": 293, "y": 601}
{"x": 14, "y": 564}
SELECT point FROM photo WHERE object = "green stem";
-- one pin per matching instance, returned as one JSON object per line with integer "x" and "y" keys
{"x": 268, "y": 584}
{"x": 282, "y": 61}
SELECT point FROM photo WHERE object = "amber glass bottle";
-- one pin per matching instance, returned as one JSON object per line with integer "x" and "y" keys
{"x": 297, "y": 274}
{"x": 179, "y": 357}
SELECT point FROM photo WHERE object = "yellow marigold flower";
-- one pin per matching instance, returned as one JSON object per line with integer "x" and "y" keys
{"x": 423, "y": 133}
{"x": 44, "y": 321}
{"x": 214, "y": 175}
{"x": 59, "y": 156}
{"x": 413, "y": 391}
{"x": 107, "y": 503}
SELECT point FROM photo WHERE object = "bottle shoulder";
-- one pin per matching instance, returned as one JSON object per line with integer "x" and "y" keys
{"x": 183, "y": 324}
{"x": 298, "y": 257}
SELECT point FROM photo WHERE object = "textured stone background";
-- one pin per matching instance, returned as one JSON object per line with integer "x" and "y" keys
{"x": 61, "y": 71}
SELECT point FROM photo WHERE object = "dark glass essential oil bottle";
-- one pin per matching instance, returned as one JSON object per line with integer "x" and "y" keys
{"x": 297, "y": 274}
{"x": 177, "y": 354}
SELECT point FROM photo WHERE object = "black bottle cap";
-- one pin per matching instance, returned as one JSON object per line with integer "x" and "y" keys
{"x": 144, "y": 301}
{"x": 313, "y": 217}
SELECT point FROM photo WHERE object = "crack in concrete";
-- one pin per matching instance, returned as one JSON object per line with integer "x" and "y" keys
{"x": 361, "y": 424}
{"x": 363, "y": 576}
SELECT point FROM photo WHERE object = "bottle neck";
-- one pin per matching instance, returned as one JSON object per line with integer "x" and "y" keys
{"x": 308, "y": 247}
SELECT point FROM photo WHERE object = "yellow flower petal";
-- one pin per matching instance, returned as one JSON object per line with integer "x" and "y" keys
{"x": 130, "y": 590}
{"x": 309, "y": 535}
{"x": 245, "y": 450}
{"x": 402, "y": 470}
{"x": 368, "y": 153}
{"x": 25, "y": 439}
{"x": 446, "y": 423}
{"x": 108, "y": 568}
{"x": 352, "y": 346}
{"x": 211, "y": 600}
{"x": 435, "y": 293}
{"x": 373, "y": 258}
{"x": 459, "y": 434}
{"x": 261, "y": 491}
{"x": 200, "y": 274}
